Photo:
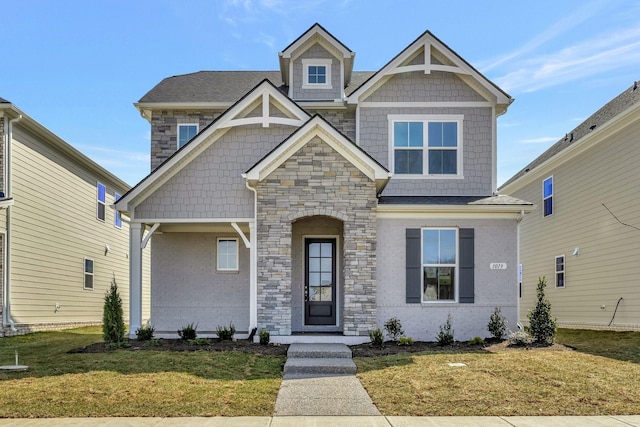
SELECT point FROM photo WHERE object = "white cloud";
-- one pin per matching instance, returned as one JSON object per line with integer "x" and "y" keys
{"x": 598, "y": 55}
{"x": 540, "y": 140}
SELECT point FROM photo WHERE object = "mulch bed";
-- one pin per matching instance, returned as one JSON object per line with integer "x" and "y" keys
{"x": 362, "y": 350}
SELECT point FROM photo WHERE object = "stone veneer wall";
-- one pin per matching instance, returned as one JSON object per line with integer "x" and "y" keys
{"x": 343, "y": 120}
{"x": 164, "y": 131}
{"x": 316, "y": 181}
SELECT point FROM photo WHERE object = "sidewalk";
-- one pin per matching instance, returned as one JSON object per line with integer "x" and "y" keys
{"x": 365, "y": 421}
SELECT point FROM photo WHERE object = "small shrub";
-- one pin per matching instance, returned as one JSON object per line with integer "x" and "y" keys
{"x": 188, "y": 332}
{"x": 445, "y": 336}
{"x": 476, "y": 341}
{"x": 145, "y": 333}
{"x": 393, "y": 328}
{"x": 116, "y": 345}
{"x": 265, "y": 337}
{"x": 541, "y": 325}
{"x": 226, "y": 334}
{"x": 199, "y": 341}
{"x": 520, "y": 338}
{"x": 112, "y": 319}
{"x": 405, "y": 341}
{"x": 377, "y": 338}
{"x": 497, "y": 324}
{"x": 153, "y": 343}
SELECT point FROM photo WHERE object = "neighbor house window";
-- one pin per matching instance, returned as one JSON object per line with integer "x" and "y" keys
{"x": 117, "y": 217}
{"x": 439, "y": 264}
{"x": 185, "y": 133}
{"x": 316, "y": 73}
{"x": 425, "y": 146}
{"x": 560, "y": 271}
{"x": 547, "y": 196}
{"x": 101, "y": 201}
{"x": 228, "y": 254}
{"x": 88, "y": 273}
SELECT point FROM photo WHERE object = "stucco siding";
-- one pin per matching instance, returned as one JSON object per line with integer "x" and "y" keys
{"x": 186, "y": 287}
{"x": 53, "y": 229}
{"x": 211, "y": 185}
{"x": 316, "y": 51}
{"x": 606, "y": 268}
{"x": 495, "y": 241}
{"x": 477, "y": 151}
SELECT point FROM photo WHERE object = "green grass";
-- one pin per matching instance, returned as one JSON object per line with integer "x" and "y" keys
{"x": 600, "y": 378}
{"x": 130, "y": 383}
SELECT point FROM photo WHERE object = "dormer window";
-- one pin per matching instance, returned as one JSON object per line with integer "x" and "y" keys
{"x": 316, "y": 73}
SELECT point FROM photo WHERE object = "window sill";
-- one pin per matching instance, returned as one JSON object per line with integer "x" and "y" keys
{"x": 227, "y": 271}
{"x": 409, "y": 176}
{"x": 312, "y": 86}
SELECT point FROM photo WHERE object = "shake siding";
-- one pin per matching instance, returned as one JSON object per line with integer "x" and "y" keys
{"x": 607, "y": 267}
{"x": 54, "y": 227}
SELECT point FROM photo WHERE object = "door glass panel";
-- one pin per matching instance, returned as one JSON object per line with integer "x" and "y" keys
{"x": 314, "y": 279}
{"x": 314, "y": 265}
{"x": 314, "y": 249}
{"x": 327, "y": 250}
{"x": 326, "y": 279}
{"x": 326, "y": 265}
{"x": 325, "y": 293}
{"x": 314, "y": 294}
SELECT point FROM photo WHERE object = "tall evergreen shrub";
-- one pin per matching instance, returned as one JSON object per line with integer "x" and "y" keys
{"x": 112, "y": 320}
{"x": 541, "y": 325}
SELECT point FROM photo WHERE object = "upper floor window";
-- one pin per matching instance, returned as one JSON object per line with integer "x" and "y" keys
{"x": 117, "y": 217}
{"x": 185, "y": 133}
{"x": 316, "y": 73}
{"x": 228, "y": 254}
{"x": 560, "y": 271}
{"x": 426, "y": 145}
{"x": 547, "y": 196}
{"x": 101, "y": 201}
{"x": 439, "y": 264}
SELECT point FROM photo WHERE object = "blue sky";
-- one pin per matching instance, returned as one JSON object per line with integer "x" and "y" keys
{"x": 78, "y": 66}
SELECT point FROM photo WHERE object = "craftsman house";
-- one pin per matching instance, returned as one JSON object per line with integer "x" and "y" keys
{"x": 62, "y": 242}
{"x": 316, "y": 202}
{"x": 585, "y": 235}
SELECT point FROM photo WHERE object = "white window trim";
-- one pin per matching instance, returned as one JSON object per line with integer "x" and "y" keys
{"x": 178, "y": 132}
{"x": 116, "y": 214}
{"x": 426, "y": 118}
{"x": 84, "y": 274}
{"x": 563, "y": 271}
{"x": 456, "y": 267}
{"x": 98, "y": 202}
{"x": 548, "y": 197}
{"x": 310, "y": 62}
{"x": 237, "y": 267}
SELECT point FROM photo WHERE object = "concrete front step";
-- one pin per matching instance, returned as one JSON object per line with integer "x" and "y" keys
{"x": 319, "y": 351}
{"x": 309, "y": 360}
{"x": 320, "y": 367}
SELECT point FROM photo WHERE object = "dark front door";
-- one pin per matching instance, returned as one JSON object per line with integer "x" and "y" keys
{"x": 320, "y": 282}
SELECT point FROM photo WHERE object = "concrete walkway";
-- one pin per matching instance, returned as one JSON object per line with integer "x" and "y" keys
{"x": 598, "y": 421}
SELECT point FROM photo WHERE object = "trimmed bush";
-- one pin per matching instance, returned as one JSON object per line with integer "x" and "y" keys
{"x": 405, "y": 341}
{"x": 265, "y": 337}
{"x": 226, "y": 334}
{"x": 497, "y": 324}
{"x": 188, "y": 332}
{"x": 476, "y": 341}
{"x": 377, "y": 338}
{"x": 145, "y": 333}
{"x": 445, "y": 336}
{"x": 393, "y": 328}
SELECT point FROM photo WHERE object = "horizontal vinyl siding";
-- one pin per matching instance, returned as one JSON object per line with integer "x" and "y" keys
{"x": 608, "y": 266}
{"x": 54, "y": 227}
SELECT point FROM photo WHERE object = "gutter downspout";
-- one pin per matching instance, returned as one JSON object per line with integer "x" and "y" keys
{"x": 519, "y": 219}
{"x": 6, "y": 300}
{"x": 253, "y": 262}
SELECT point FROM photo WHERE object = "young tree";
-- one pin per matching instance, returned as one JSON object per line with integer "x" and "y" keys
{"x": 112, "y": 321}
{"x": 541, "y": 325}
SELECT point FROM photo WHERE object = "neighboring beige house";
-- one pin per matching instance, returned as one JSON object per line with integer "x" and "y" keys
{"x": 316, "y": 202}
{"x": 585, "y": 235}
{"x": 62, "y": 241}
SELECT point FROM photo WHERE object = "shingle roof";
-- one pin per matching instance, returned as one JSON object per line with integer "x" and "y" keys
{"x": 498, "y": 200}
{"x": 609, "y": 111}
{"x": 223, "y": 86}
{"x": 4, "y": 101}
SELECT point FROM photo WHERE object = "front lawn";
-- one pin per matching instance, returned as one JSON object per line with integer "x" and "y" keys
{"x": 132, "y": 383}
{"x": 599, "y": 377}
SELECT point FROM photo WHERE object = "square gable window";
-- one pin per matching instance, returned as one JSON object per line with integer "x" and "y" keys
{"x": 186, "y": 133}
{"x": 317, "y": 73}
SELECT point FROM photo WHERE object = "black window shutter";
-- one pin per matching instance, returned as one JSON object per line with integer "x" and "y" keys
{"x": 413, "y": 266}
{"x": 467, "y": 264}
